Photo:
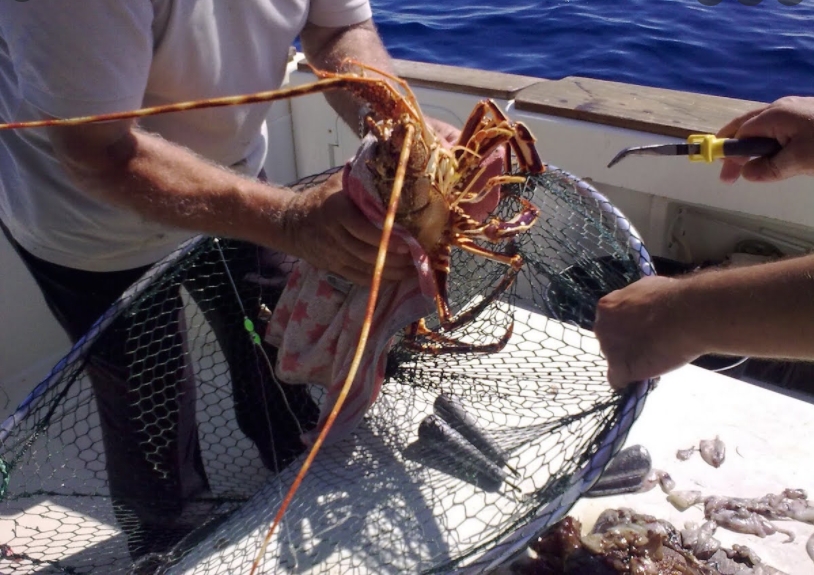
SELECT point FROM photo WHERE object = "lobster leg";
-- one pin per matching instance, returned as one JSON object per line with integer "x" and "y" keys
{"x": 521, "y": 142}
{"x": 473, "y": 123}
{"x": 514, "y": 261}
{"x": 470, "y": 177}
{"x": 495, "y": 230}
{"x": 441, "y": 275}
{"x": 442, "y": 344}
{"x": 527, "y": 157}
{"x": 487, "y": 129}
{"x": 473, "y": 197}
{"x": 446, "y": 344}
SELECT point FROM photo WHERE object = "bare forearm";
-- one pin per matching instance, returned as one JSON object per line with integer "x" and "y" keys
{"x": 759, "y": 311}
{"x": 326, "y": 49}
{"x": 166, "y": 183}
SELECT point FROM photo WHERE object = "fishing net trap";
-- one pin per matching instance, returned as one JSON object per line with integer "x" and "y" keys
{"x": 461, "y": 459}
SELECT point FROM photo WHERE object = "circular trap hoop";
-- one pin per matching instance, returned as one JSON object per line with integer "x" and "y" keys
{"x": 373, "y": 502}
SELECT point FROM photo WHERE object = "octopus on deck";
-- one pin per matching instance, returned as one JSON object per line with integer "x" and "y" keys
{"x": 750, "y": 516}
{"x": 625, "y": 542}
{"x": 713, "y": 451}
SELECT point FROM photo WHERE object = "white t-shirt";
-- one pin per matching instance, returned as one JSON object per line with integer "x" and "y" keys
{"x": 86, "y": 57}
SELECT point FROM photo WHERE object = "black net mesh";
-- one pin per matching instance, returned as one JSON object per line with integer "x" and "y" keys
{"x": 163, "y": 444}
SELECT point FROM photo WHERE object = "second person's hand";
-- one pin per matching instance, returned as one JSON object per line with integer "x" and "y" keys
{"x": 790, "y": 121}
{"x": 644, "y": 330}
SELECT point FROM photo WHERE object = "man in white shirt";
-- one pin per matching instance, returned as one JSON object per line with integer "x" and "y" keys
{"x": 90, "y": 208}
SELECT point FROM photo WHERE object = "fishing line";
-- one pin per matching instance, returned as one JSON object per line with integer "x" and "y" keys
{"x": 257, "y": 342}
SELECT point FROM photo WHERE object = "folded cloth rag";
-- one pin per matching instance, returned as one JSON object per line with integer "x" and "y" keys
{"x": 316, "y": 327}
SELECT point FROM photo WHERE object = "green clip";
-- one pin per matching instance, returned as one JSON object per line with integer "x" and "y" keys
{"x": 249, "y": 326}
{"x": 4, "y": 477}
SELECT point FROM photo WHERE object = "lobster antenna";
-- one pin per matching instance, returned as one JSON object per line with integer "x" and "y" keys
{"x": 387, "y": 228}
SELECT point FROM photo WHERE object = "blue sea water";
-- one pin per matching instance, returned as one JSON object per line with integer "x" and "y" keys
{"x": 760, "y": 52}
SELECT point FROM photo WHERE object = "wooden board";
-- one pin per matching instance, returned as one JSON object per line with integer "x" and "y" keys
{"x": 654, "y": 110}
{"x": 454, "y": 78}
{"x": 467, "y": 80}
{"x": 643, "y": 108}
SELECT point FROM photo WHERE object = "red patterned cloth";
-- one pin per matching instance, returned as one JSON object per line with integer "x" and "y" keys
{"x": 316, "y": 327}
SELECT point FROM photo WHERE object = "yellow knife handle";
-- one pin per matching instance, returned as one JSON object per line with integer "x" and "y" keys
{"x": 712, "y": 148}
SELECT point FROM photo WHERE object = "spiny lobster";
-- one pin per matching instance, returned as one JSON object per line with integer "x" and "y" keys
{"x": 427, "y": 187}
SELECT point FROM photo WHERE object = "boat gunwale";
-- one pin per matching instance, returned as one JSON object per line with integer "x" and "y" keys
{"x": 661, "y": 111}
